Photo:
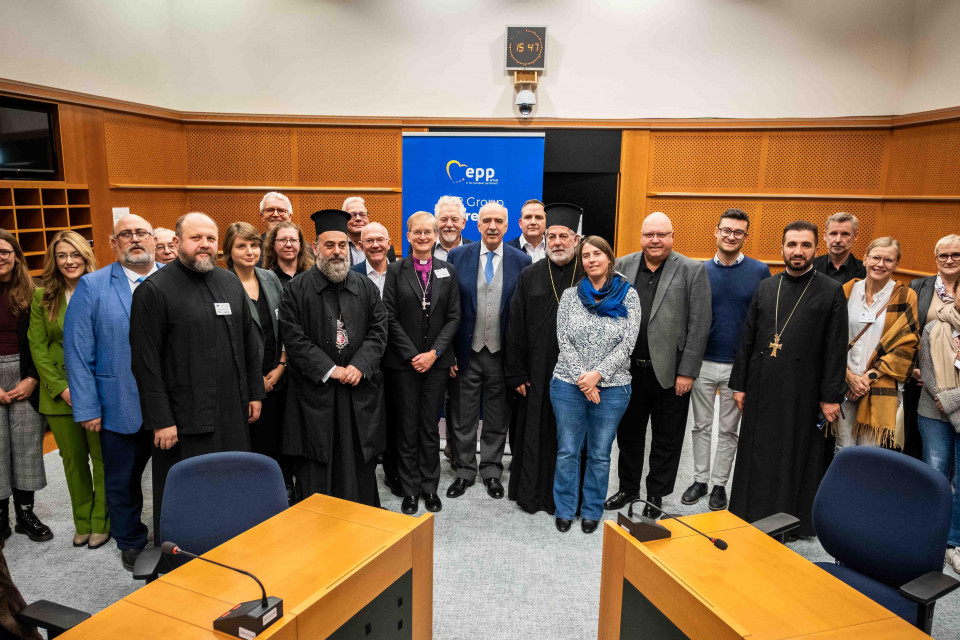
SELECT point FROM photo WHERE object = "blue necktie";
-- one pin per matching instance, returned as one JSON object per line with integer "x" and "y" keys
{"x": 488, "y": 269}
{"x": 140, "y": 279}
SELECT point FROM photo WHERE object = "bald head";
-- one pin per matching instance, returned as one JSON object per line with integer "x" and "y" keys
{"x": 197, "y": 233}
{"x": 133, "y": 242}
{"x": 656, "y": 238}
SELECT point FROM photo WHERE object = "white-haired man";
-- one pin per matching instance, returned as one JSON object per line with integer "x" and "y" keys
{"x": 375, "y": 240}
{"x": 356, "y": 208}
{"x": 274, "y": 209}
{"x": 451, "y": 218}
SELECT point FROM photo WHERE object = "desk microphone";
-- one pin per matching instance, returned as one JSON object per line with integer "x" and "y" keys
{"x": 717, "y": 542}
{"x": 247, "y": 619}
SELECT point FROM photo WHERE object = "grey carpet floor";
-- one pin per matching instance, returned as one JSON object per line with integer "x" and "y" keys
{"x": 498, "y": 571}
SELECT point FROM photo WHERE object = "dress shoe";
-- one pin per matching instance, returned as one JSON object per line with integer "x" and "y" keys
{"x": 650, "y": 512}
{"x": 97, "y": 540}
{"x": 588, "y": 526}
{"x": 694, "y": 492}
{"x": 80, "y": 539}
{"x": 459, "y": 487}
{"x": 431, "y": 502}
{"x": 563, "y": 525}
{"x": 494, "y": 488}
{"x": 28, "y": 523}
{"x": 410, "y": 504}
{"x": 291, "y": 494}
{"x": 393, "y": 483}
{"x": 619, "y": 500}
{"x": 5, "y": 531}
{"x": 128, "y": 557}
{"x": 718, "y": 498}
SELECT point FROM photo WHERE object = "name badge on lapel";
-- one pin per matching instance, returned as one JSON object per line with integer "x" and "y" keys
{"x": 222, "y": 308}
{"x": 442, "y": 273}
{"x": 866, "y": 316}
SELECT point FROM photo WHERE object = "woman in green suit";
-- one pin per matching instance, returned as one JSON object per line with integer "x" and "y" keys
{"x": 69, "y": 257}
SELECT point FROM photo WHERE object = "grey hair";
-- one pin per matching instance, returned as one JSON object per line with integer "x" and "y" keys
{"x": 351, "y": 200}
{"x": 277, "y": 196}
{"x": 454, "y": 200}
{"x": 950, "y": 239}
{"x": 841, "y": 217}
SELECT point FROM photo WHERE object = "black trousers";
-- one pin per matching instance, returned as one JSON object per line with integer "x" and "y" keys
{"x": 668, "y": 416}
{"x": 418, "y": 440}
{"x": 392, "y": 403}
{"x": 125, "y": 456}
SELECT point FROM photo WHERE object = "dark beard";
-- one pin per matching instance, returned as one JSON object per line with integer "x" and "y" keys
{"x": 334, "y": 271}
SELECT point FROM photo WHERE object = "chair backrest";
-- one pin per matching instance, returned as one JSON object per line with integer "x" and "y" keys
{"x": 211, "y": 498}
{"x": 883, "y": 514}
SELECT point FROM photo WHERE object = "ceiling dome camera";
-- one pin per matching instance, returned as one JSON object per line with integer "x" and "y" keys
{"x": 525, "y": 101}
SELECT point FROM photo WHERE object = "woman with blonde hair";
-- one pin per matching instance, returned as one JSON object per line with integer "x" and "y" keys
{"x": 286, "y": 252}
{"x": 21, "y": 427}
{"x": 882, "y": 320}
{"x": 69, "y": 257}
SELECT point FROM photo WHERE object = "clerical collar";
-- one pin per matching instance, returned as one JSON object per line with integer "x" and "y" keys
{"x": 802, "y": 275}
{"x": 423, "y": 262}
{"x": 739, "y": 259}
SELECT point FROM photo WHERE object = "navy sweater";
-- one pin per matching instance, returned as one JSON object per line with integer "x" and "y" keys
{"x": 732, "y": 288}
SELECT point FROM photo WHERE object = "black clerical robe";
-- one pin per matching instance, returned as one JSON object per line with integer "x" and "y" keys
{"x": 780, "y": 455}
{"x": 196, "y": 356}
{"x": 335, "y": 430}
{"x": 530, "y": 356}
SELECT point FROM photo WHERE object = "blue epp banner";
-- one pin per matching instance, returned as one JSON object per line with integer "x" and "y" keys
{"x": 477, "y": 168}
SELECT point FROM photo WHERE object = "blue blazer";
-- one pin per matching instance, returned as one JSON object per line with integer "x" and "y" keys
{"x": 360, "y": 267}
{"x": 515, "y": 243}
{"x": 96, "y": 348}
{"x": 466, "y": 262}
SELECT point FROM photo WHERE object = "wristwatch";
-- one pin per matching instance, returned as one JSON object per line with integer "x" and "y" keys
{"x": 437, "y": 351}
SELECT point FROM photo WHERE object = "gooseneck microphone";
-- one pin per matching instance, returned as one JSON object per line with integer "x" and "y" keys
{"x": 247, "y": 619}
{"x": 717, "y": 542}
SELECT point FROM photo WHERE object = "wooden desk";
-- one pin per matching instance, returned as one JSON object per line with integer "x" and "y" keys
{"x": 326, "y": 558}
{"x": 757, "y": 588}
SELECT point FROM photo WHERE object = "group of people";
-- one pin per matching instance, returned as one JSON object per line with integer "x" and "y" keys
{"x": 333, "y": 355}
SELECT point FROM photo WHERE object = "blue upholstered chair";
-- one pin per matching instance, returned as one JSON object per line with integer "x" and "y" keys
{"x": 210, "y": 499}
{"x": 884, "y": 517}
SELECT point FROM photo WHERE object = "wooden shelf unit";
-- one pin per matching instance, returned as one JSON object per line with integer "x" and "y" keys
{"x": 35, "y": 212}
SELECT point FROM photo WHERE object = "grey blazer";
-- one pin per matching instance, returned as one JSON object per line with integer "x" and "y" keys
{"x": 679, "y": 321}
{"x": 270, "y": 286}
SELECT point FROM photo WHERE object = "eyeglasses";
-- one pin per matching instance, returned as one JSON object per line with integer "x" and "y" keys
{"x": 359, "y": 214}
{"x": 886, "y": 261}
{"x": 73, "y": 256}
{"x": 166, "y": 247}
{"x": 422, "y": 232}
{"x": 287, "y": 241}
{"x": 142, "y": 234}
{"x": 5, "y": 253}
{"x": 372, "y": 241}
{"x": 736, "y": 233}
{"x": 272, "y": 210}
{"x": 658, "y": 236}
{"x": 945, "y": 257}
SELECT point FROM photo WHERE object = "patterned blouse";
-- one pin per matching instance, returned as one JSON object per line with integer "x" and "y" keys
{"x": 590, "y": 342}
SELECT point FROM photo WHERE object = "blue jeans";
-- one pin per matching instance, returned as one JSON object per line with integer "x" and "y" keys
{"x": 579, "y": 421}
{"x": 941, "y": 450}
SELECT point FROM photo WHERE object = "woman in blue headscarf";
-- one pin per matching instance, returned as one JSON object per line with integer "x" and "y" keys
{"x": 597, "y": 326}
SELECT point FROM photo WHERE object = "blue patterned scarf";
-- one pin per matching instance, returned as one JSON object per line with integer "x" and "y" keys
{"x": 608, "y": 301}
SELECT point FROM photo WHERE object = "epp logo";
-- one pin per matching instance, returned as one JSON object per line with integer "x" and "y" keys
{"x": 458, "y": 172}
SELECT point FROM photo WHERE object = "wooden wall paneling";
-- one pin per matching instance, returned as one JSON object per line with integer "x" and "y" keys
{"x": 925, "y": 160}
{"x": 349, "y": 157}
{"x": 385, "y": 208}
{"x": 143, "y": 150}
{"x": 822, "y": 162}
{"x": 707, "y": 161}
{"x": 159, "y": 207}
{"x": 239, "y": 155}
{"x": 694, "y": 222}
{"x": 631, "y": 199}
{"x": 918, "y": 226}
{"x": 73, "y": 150}
{"x": 98, "y": 183}
{"x": 778, "y": 213}
{"x": 226, "y": 207}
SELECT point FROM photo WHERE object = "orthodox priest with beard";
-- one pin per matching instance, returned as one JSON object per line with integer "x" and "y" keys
{"x": 531, "y": 356}
{"x": 334, "y": 328}
{"x": 788, "y": 375}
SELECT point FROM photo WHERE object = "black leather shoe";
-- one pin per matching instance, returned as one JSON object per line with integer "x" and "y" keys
{"x": 5, "y": 530}
{"x": 650, "y": 512}
{"x": 128, "y": 557}
{"x": 619, "y": 500}
{"x": 694, "y": 492}
{"x": 432, "y": 502}
{"x": 588, "y": 526}
{"x": 718, "y": 498}
{"x": 494, "y": 488}
{"x": 563, "y": 525}
{"x": 458, "y": 488}
{"x": 291, "y": 494}
{"x": 411, "y": 504}
{"x": 28, "y": 523}
{"x": 393, "y": 483}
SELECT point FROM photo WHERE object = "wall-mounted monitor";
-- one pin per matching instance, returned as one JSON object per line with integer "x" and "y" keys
{"x": 28, "y": 134}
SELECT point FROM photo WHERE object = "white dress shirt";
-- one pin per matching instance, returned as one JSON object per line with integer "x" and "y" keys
{"x": 378, "y": 278}
{"x": 859, "y": 314}
{"x": 133, "y": 278}
{"x": 497, "y": 257}
{"x": 441, "y": 253}
{"x": 538, "y": 252}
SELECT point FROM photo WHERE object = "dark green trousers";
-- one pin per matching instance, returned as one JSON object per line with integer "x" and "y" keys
{"x": 78, "y": 448}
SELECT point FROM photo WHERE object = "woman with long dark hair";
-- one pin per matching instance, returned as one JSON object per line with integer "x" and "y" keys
{"x": 21, "y": 427}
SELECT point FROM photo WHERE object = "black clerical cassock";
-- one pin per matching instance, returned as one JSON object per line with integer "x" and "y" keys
{"x": 531, "y": 356}
{"x": 334, "y": 430}
{"x": 780, "y": 457}
{"x": 196, "y": 358}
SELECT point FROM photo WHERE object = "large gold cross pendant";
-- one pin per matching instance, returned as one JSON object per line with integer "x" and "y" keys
{"x": 775, "y": 345}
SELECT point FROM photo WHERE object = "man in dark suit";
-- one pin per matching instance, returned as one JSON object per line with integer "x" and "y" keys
{"x": 674, "y": 324}
{"x": 359, "y": 218}
{"x": 487, "y": 273}
{"x": 533, "y": 224}
{"x": 422, "y": 298}
{"x": 375, "y": 241}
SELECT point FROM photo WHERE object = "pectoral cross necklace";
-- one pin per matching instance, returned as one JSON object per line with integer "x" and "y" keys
{"x": 424, "y": 303}
{"x": 776, "y": 345}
